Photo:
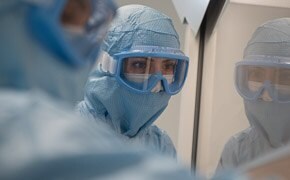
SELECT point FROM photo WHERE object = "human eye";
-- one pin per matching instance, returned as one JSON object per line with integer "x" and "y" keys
{"x": 136, "y": 65}
{"x": 256, "y": 74}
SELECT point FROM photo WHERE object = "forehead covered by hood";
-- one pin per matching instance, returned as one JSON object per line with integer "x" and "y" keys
{"x": 270, "y": 39}
{"x": 138, "y": 25}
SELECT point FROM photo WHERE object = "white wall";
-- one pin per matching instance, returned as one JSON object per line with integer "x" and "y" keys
{"x": 187, "y": 101}
{"x": 169, "y": 119}
{"x": 222, "y": 112}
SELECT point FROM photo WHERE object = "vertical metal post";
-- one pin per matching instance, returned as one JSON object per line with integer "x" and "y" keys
{"x": 209, "y": 21}
{"x": 198, "y": 93}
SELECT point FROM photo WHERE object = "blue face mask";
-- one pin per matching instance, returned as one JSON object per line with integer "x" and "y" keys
{"x": 126, "y": 112}
{"x": 272, "y": 119}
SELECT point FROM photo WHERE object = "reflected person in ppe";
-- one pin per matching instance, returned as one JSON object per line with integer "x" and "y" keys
{"x": 47, "y": 48}
{"x": 140, "y": 68}
{"x": 263, "y": 81}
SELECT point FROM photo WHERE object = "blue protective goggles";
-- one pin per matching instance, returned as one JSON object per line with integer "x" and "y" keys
{"x": 268, "y": 80}
{"x": 146, "y": 69}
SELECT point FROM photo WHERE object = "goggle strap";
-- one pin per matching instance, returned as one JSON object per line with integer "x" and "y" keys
{"x": 107, "y": 63}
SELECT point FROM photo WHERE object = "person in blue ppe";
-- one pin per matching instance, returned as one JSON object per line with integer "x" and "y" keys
{"x": 141, "y": 66}
{"x": 262, "y": 79}
{"x": 47, "y": 48}
{"x": 72, "y": 39}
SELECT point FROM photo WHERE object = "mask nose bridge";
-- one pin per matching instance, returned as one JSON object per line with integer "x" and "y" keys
{"x": 159, "y": 78}
{"x": 266, "y": 92}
